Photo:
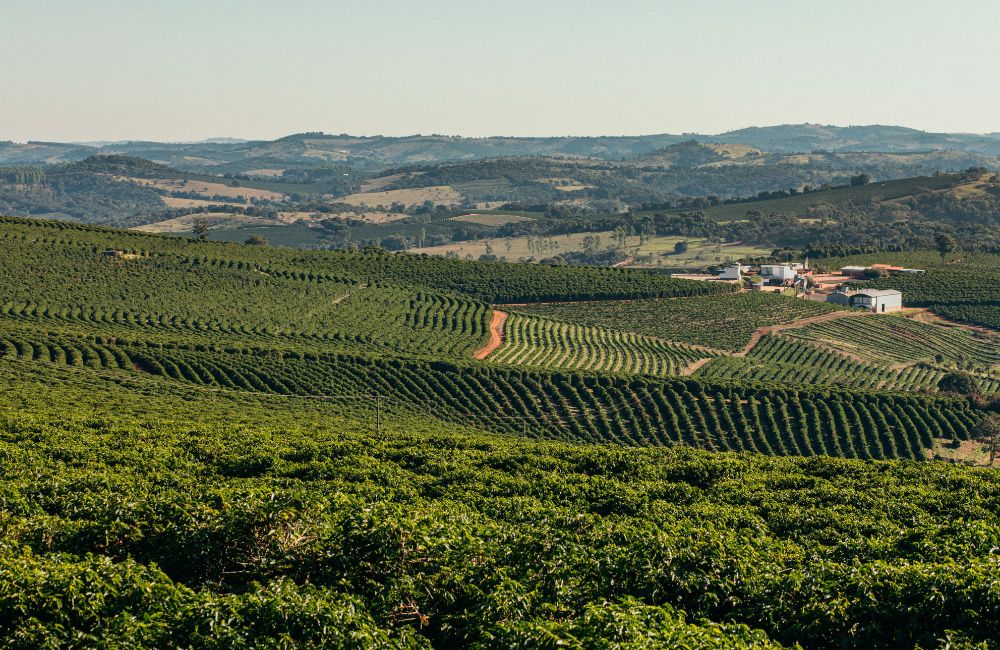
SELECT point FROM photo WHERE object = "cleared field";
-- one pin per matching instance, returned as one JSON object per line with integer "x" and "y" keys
{"x": 653, "y": 252}
{"x": 176, "y": 202}
{"x": 544, "y": 343}
{"x": 371, "y": 216}
{"x": 374, "y": 184}
{"x": 438, "y": 194}
{"x": 490, "y": 219}
{"x": 699, "y": 253}
{"x": 221, "y": 220}
{"x": 267, "y": 172}
{"x": 203, "y": 187}
{"x": 724, "y": 321}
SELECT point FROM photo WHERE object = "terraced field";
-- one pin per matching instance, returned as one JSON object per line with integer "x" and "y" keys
{"x": 789, "y": 362}
{"x": 300, "y": 323}
{"x": 571, "y": 407}
{"x": 725, "y": 321}
{"x": 898, "y": 340}
{"x": 536, "y": 342}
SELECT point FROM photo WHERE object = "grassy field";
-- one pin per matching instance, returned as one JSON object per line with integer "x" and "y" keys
{"x": 441, "y": 194}
{"x": 653, "y": 252}
{"x": 207, "y": 188}
{"x": 217, "y": 220}
{"x": 175, "y": 202}
{"x": 490, "y": 219}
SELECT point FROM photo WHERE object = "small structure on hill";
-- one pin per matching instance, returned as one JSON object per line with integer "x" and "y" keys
{"x": 880, "y": 301}
{"x": 853, "y": 271}
{"x": 732, "y": 272}
{"x": 777, "y": 273}
{"x": 876, "y": 269}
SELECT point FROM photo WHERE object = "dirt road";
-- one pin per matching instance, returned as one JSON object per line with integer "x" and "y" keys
{"x": 761, "y": 331}
{"x": 496, "y": 334}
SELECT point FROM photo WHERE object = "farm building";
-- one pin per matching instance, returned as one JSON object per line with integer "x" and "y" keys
{"x": 875, "y": 300}
{"x": 732, "y": 272}
{"x": 777, "y": 273}
{"x": 854, "y": 271}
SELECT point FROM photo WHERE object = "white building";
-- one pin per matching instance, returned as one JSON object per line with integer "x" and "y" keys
{"x": 777, "y": 273}
{"x": 732, "y": 272}
{"x": 881, "y": 301}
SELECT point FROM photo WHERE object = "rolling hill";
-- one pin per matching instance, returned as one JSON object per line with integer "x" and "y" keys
{"x": 205, "y": 443}
{"x": 373, "y": 152}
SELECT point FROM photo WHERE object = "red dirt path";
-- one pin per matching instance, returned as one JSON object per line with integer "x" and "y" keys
{"x": 496, "y": 334}
{"x": 802, "y": 322}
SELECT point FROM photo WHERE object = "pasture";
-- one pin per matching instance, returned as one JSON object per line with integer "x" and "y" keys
{"x": 491, "y": 219}
{"x": 218, "y": 220}
{"x": 651, "y": 252}
{"x": 205, "y": 188}
{"x": 438, "y": 194}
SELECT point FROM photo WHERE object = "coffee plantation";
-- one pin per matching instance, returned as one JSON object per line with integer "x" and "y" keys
{"x": 233, "y": 446}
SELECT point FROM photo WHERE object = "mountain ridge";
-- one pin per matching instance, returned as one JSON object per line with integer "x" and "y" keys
{"x": 374, "y": 152}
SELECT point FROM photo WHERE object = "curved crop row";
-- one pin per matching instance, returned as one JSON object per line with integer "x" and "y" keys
{"x": 894, "y": 339}
{"x": 544, "y": 343}
{"x": 629, "y": 411}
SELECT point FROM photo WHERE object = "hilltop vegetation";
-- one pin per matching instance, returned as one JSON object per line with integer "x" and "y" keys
{"x": 305, "y": 191}
{"x": 296, "y": 150}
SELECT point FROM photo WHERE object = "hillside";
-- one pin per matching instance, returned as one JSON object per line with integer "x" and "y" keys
{"x": 244, "y": 446}
{"x": 438, "y": 205}
{"x": 293, "y": 323}
{"x": 295, "y": 520}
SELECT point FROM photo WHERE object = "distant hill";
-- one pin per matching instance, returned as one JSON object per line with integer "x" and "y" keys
{"x": 230, "y": 155}
{"x": 810, "y": 137}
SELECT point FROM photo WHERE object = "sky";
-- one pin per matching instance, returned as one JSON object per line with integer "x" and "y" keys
{"x": 76, "y": 70}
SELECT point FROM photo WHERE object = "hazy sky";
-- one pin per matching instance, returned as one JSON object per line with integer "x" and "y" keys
{"x": 184, "y": 69}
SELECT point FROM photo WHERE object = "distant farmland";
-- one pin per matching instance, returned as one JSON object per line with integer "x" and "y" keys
{"x": 801, "y": 203}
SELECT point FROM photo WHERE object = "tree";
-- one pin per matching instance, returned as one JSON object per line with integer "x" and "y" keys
{"x": 860, "y": 179}
{"x": 988, "y": 432}
{"x": 956, "y": 382}
{"x": 680, "y": 247}
{"x": 201, "y": 228}
{"x": 945, "y": 244}
{"x": 256, "y": 240}
{"x": 336, "y": 232}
